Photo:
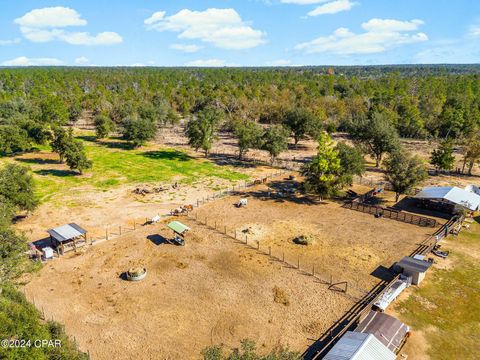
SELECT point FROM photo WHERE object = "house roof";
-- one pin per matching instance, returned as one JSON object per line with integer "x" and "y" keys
{"x": 66, "y": 232}
{"x": 414, "y": 264}
{"x": 452, "y": 194}
{"x": 388, "y": 330}
{"x": 359, "y": 346}
{"x": 178, "y": 227}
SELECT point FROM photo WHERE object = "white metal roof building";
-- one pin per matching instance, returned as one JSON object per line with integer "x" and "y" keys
{"x": 66, "y": 232}
{"x": 359, "y": 346}
{"x": 453, "y": 195}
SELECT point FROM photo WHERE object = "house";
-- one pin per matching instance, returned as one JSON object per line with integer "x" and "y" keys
{"x": 389, "y": 331}
{"x": 414, "y": 267}
{"x": 450, "y": 198}
{"x": 66, "y": 236}
{"x": 359, "y": 346}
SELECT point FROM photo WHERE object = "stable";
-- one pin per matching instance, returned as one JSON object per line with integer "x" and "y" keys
{"x": 359, "y": 346}
{"x": 414, "y": 267}
{"x": 388, "y": 330}
{"x": 449, "y": 198}
{"x": 67, "y": 237}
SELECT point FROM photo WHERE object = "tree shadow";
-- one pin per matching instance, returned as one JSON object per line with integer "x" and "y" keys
{"x": 38, "y": 161}
{"x": 115, "y": 143}
{"x": 231, "y": 160}
{"x": 55, "y": 172}
{"x": 166, "y": 155}
{"x": 283, "y": 191}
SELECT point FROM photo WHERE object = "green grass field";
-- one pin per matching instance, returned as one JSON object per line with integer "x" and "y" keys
{"x": 447, "y": 304}
{"x": 113, "y": 165}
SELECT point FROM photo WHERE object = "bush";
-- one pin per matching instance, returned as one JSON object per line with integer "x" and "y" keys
{"x": 139, "y": 130}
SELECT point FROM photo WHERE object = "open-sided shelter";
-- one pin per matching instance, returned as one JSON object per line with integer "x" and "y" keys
{"x": 65, "y": 235}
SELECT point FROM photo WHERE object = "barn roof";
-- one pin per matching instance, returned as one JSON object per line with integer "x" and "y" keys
{"x": 66, "y": 232}
{"x": 452, "y": 194}
{"x": 414, "y": 264}
{"x": 388, "y": 330}
{"x": 359, "y": 346}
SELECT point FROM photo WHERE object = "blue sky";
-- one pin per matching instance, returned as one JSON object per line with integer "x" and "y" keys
{"x": 238, "y": 32}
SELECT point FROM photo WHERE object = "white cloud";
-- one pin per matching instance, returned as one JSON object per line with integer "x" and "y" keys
{"x": 157, "y": 16}
{"x": 47, "y": 24}
{"x": 81, "y": 60}
{"x": 474, "y": 31}
{"x": 25, "y": 61}
{"x": 380, "y": 35}
{"x": 10, "y": 42}
{"x": 208, "y": 63}
{"x": 391, "y": 25}
{"x": 223, "y": 28}
{"x": 186, "y": 48}
{"x": 51, "y": 17}
{"x": 332, "y": 7}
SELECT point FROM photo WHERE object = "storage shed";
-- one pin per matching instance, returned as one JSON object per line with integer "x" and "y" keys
{"x": 359, "y": 346}
{"x": 388, "y": 330}
{"x": 65, "y": 235}
{"x": 415, "y": 268}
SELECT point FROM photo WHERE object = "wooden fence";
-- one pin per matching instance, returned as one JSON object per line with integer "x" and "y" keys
{"x": 391, "y": 214}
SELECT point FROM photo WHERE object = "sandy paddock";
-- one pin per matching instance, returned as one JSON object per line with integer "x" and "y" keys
{"x": 211, "y": 291}
{"x": 347, "y": 244}
{"x": 215, "y": 290}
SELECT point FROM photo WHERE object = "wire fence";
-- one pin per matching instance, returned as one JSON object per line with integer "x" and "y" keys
{"x": 333, "y": 282}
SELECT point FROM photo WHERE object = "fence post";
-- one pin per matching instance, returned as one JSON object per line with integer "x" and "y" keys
{"x": 270, "y": 251}
{"x": 313, "y": 270}
{"x": 120, "y": 230}
{"x": 106, "y": 234}
{"x": 283, "y": 257}
{"x": 246, "y": 239}
{"x": 298, "y": 263}
{"x": 258, "y": 245}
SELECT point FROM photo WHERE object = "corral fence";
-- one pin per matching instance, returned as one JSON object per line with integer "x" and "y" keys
{"x": 114, "y": 231}
{"x": 391, "y": 214}
{"x": 331, "y": 280}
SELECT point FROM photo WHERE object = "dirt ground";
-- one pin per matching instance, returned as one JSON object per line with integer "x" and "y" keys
{"x": 211, "y": 291}
{"x": 215, "y": 290}
{"x": 345, "y": 244}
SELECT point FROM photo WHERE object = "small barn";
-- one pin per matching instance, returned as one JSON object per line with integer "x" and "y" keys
{"x": 414, "y": 267}
{"x": 67, "y": 236}
{"x": 359, "y": 346}
{"x": 389, "y": 331}
{"x": 449, "y": 199}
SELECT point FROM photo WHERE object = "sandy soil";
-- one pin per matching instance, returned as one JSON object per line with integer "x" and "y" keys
{"x": 347, "y": 244}
{"x": 211, "y": 291}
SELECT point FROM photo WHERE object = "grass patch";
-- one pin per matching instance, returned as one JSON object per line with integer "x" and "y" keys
{"x": 114, "y": 166}
{"x": 447, "y": 305}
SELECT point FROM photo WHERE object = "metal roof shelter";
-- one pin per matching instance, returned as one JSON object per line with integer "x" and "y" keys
{"x": 178, "y": 227}
{"x": 359, "y": 346}
{"x": 66, "y": 232}
{"x": 451, "y": 194}
{"x": 415, "y": 268}
{"x": 388, "y": 330}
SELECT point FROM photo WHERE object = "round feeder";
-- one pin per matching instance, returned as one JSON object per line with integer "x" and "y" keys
{"x": 136, "y": 274}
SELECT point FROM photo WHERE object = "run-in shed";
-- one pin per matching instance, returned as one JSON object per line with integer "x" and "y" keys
{"x": 458, "y": 199}
{"x": 66, "y": 234}
{"x": 413, "y": 267}
{"x": 359, "y": 346}
{"x": 179, "y": 231}
{"x": 388, "y": 330}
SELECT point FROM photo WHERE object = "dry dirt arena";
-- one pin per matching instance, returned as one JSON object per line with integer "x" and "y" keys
{"x": 215, "y": 290}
